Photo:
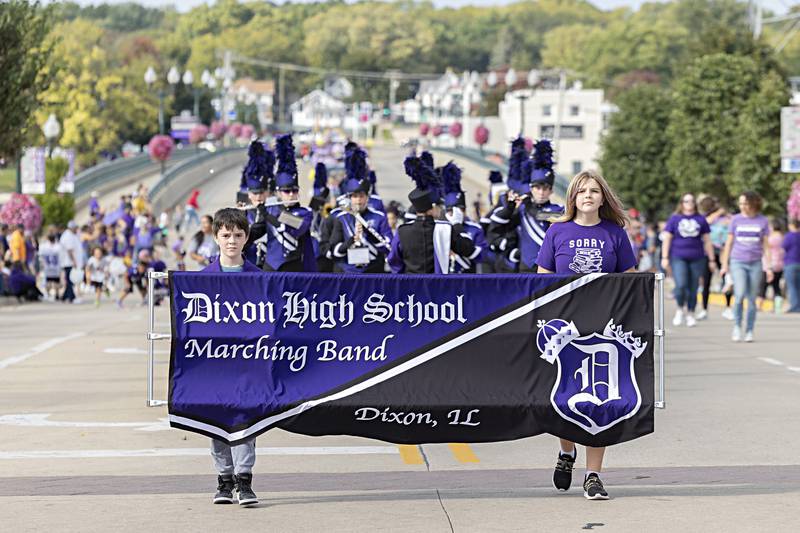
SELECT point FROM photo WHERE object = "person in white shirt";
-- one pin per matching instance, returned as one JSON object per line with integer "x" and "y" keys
{"x": 71, "y": 257}
{"x": 96, "y": 268}
{"x": 50, "y": 258}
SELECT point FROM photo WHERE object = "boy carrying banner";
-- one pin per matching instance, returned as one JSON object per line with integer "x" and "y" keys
{"x": 234, "y": 464}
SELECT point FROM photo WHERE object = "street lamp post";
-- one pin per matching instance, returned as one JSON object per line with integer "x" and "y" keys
{"x": 521, "y": 97}
{"x": 150, "y": 78}
{"x": 173, "y": 77}
{"x": 51, "y": 129}
{"x": 188, "y": 80}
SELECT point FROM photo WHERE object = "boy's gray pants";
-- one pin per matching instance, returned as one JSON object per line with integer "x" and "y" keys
{"x": 229, "y": 460}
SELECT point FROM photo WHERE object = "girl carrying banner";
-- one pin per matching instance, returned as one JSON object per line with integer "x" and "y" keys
{"x": 589, "y": 237}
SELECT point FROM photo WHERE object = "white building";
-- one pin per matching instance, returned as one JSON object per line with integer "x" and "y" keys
{"x": 260, "y": 93}
{"x": 317, "y": 110}
{"x": 581, "y": 116}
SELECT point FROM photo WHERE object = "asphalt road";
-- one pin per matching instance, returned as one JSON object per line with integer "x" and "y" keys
{"x": 80, "y": 451}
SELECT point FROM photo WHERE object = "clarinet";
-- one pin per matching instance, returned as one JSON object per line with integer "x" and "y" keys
{"x": 372, "y": 231}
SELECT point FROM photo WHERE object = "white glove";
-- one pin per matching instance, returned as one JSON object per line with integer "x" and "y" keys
{"x": 456, "y": 217}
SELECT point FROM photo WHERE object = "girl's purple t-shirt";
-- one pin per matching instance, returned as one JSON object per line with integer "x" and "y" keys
{"x": 687, "y": 236}
{"x": 748, "y": 237}
{"x": 570, "y": 248}
{"x": 791, "y": 247}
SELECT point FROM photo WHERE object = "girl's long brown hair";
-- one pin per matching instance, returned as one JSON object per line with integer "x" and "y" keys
{"x": 611, "y": 209}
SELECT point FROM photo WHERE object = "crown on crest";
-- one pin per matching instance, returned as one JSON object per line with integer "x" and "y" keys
{"x": 626, "y": 338}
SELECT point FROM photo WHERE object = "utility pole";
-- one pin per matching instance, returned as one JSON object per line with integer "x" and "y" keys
{"x": 562, "y": 88}
{"x": 227, "y": 69}
{"x": 281, "y": 95}
{"x": 393, "y": 85}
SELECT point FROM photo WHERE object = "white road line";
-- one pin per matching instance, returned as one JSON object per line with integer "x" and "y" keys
{"x": 770, "y": 361}
{"x": 41, "y": 420}
{"x": 131, "y": 351}
{"x": 39, "y": 348}
{"x": 794, "y": 368}
{"x": 186, "y": 452}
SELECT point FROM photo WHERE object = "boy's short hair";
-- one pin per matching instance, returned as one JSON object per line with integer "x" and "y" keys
{"x": 230, "y": 218}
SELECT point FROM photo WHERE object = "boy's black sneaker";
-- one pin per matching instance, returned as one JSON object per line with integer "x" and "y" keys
{"x": 593, "y": 488}
{"x": 244, "y": 489}
{"x": 562, "y": 475}
{"x": 225, "y": 486}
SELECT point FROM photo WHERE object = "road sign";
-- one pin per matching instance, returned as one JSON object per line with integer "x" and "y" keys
{"x": 790, "y": 139}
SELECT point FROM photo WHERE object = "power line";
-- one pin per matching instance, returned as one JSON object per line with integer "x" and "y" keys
{"x": 364, "y": 74}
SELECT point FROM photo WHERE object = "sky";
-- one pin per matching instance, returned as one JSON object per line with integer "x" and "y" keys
{"x": 776, "y": 6}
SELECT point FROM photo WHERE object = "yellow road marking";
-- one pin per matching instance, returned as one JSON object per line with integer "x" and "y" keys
{"x": 719, "y": 299}
{"x": 410, "y": 454}
{"x": 463, "y": 453}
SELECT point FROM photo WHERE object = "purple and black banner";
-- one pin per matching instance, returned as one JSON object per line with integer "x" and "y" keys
{"x": 413, "y": 359}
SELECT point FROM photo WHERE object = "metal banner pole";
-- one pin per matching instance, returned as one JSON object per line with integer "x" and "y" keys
{"x": 152, "y": 336}
{"x": 659, "y": 333}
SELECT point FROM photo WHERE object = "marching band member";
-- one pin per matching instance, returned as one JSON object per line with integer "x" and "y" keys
{"x": 503, "y": 239}
{"x": 258, "y": 182}
{"x": 455, "y": 204}
{"x": 287, "y": 224}
{"x": 424, "y": 246}
{"x": 361, "y": 236}
{"x": 530, "y": 211}
{"x": 318, "y": 206}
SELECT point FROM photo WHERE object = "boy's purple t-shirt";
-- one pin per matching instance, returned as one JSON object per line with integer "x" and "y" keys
{"x": 791, "y": 247}
{"x": 748, "y": 237}
{"x": 687, "y": 236}
{"x": 570, "y": 248}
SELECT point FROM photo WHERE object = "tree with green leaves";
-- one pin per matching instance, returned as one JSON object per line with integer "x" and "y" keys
{"x": 757, "y": 164}
{"x": 57, "y": 208}
{"x": 708, "y": 102}
{"x": 635, "y": 151}
{"x": 26, "y": 73}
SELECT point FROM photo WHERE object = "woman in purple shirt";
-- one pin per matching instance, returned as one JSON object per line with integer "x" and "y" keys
{"x": 746, "y": 254}
{"x": 791, "y": 265}
{"x": 688, "y": 250}
{"x": 589, "y": 237}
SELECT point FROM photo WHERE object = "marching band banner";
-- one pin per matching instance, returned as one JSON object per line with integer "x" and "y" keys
{"x": 413, "y": 359}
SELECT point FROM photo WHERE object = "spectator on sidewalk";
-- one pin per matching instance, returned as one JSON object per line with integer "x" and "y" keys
{"x": 50, "y": 259}
{"x": 16, "y": 245}
{"x": 3, "y": 240}
{"x": 21, "y": 284}
{"x": 791, "y": 265}
{"x": 774, "y": 241}
{"x": 71, "y": 257}
{"x": 744, "y": 256}
{"x": 192, "y": 207}
{"x": 687, "y": 250}
{"x": 203, "y": 248}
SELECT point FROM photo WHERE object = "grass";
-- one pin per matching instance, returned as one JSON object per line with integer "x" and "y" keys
{"x": 8, "y": 179}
